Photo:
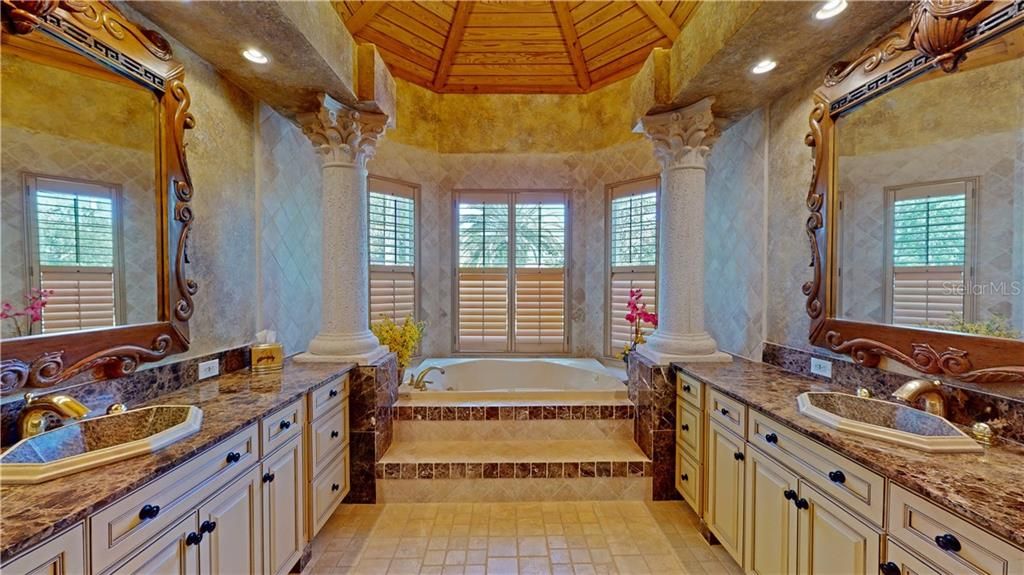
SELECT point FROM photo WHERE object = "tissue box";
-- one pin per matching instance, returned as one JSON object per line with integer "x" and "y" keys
{"x": 267, "y": 357}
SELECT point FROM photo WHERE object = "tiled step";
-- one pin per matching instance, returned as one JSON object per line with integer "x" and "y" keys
{"x": 422, "y": 410}
{"x": 546, "y": 451}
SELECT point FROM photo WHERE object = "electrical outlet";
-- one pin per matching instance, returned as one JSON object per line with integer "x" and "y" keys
{"x": 209, "y": 369}
{"x": 822, "y": 367}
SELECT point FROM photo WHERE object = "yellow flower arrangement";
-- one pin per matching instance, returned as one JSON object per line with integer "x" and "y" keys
{"x": 401, "y": 339}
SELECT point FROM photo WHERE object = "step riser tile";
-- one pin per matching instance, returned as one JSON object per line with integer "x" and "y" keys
{"x": 514, "y": 470}
{"x": 600, "y": 429}
{"x": 512, "y": 413}
{"x": 501, "y": 490}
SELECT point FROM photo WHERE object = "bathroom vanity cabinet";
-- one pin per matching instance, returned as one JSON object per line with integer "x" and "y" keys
{"x": 249, "y": 504}
{"x": 780, "y": 502}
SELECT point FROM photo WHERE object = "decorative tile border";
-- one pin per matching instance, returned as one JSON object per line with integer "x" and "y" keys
{"x": 512, "y": 470}
{"x": 512, "y": 413}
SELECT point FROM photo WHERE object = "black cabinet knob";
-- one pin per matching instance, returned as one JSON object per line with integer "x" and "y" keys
{"x": 334, "y": 434}
{"x": 684, "y": 427}
{"x": 738, "y": 456}
{"x": 837, "y": 476}
{"x": 889, "y": 568}
{"x": 335, "y": 487}
{"x": 193, "y": 538}
{"x": 724, "y": 411}
{"x": 207, "y": 526}
{"x": 686, "y": 388}
{"x": 233, "y": 457}
{"x": 684, "y": 477}
{"x": 789, "y": 494}
{"x": 771, "y": 438}
{"x": 149, "y": 512}
{"x": 332, "y": 393}
{"x": 948, "y": 542}
{"x": 802, "y": 504}
{"x": 285, "y": 424}
{"x": 268, "y": 477}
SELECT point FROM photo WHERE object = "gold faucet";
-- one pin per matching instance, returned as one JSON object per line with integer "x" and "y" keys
{"x": 420, "y": 383}
{"x": 934, "y": 402}
{"x": 32, "y": 419}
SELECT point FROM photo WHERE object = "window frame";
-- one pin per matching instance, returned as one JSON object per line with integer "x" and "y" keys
{"x": 414, "y": 190}
{"x": 625, "y": 188}
{"x": 30, "y": 185}
{"x": 971, "y": 188}
{"x": 510, "y": 197}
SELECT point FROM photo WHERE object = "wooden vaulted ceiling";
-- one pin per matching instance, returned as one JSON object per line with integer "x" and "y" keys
{"x": 515, "y": 46}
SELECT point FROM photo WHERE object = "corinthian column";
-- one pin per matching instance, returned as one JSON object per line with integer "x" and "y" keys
{"x": 682, "y": 141}
{"x": 344, "y": 139}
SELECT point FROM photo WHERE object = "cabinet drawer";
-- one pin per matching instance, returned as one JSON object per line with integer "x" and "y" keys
{"x": 688, "y": 480}
{"x": 907, "y": 562}
{"x": 689, "y": 389}
{"x": 730, "y": 413}
{"x": 325, "y": 398}
{"x": 328, "y": 489}
{"x": 62, "y": 555}
{"x": 857, "y": 488}
{"x": 168, "y": 554}
{"x": 120, "y": 528}
{"x": 688, "y": 432}
{"x": 330, "y": 434}
{"x": 282, "y": 425}
{"x": 921, "y": 525}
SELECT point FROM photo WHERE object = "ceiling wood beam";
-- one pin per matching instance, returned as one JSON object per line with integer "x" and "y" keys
{"x": 660, "y": 19}
{"x": 362, "y": 16}
{"x": 452, "y": 43}
{"x": 572, "y": 43}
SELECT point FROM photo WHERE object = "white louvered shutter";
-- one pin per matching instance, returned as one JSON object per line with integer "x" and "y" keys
{"x": 540, "y": 273}
{"x": 633, "y": 253}
{"x": 483, "y": 311}
{"x": 392, "y": 248}
{"x": 621, "y": 331}
{"x": 83, "y": 298}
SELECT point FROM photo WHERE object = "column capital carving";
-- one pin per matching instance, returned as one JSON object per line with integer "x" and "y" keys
{"x": 683, "y": 138}
{"x": 341, "y": 134}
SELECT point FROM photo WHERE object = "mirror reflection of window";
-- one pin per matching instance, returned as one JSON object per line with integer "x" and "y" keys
{"x": 75, "y": 236}
{"x": 930, "y": 266}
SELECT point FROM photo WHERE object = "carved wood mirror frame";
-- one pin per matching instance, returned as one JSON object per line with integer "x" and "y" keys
{"x": 99, "y": 31}
{"x": 939, "y": 34}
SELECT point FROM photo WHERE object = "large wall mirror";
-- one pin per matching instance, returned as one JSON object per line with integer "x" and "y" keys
{"x": 95, "y": 195}
{"x": 918, "y": 205}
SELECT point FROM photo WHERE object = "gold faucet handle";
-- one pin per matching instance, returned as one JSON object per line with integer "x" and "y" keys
{"x": 116, "y": 408}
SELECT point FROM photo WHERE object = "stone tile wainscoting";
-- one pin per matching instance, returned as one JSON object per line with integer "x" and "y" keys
{"x": 652, "y": 389}
{"x": 373, "y": 393}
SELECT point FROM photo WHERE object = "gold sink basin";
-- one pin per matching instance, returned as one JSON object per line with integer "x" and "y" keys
{"x": 886, "y": 421}
{"x": 90, "y": 443}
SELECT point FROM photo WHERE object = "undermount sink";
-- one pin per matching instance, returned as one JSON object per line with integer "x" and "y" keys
{"x": 98, "y": 441}
{"x": 887, "y": 421}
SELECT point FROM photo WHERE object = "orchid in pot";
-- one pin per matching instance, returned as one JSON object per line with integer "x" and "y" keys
{"x": 637, "y": 315}
{"x": 32, "y": 313}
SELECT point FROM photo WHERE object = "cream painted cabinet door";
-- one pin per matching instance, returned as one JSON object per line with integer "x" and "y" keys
{"x": 176, "y": 552}
{"x": 832, "y": 540}
{"x": 62, "y": 555}
{"x": 771, "y": 516}
{"x": 233, "y": 528}
{"x": 724, "y": 514}
{"x": 284, "y": 507}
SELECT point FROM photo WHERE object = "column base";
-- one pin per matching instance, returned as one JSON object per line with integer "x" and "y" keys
{"x": 663, "y": 349}
{"x": 359, "y": 348}
{"x": 659, "y": 358}
{"x": 367, "y": 358}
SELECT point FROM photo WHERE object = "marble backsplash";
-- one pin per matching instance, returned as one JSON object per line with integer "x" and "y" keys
{"x": 133, "y": 389}
{"x": 1001, "y": 406}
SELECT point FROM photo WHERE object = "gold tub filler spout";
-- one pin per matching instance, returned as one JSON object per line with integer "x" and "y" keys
{"x": 419, "y": 383}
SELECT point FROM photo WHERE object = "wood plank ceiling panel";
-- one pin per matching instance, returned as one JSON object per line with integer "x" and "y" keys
{"x": 471, "y": 46}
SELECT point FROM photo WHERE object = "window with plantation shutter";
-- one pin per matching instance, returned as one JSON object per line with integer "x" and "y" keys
{"x": 392, "y": 247}
{"x": 75, "y": 243}
{"x": 929, "y": 239}
{"x": 511, "y": 272}
{"x": 633, "y": 253}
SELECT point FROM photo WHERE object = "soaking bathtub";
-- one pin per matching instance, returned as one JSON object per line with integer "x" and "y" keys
{"x": 516, "y": 379}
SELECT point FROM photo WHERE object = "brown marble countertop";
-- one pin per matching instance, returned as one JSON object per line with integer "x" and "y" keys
{"x": 30, "y": 514}
{"x": 987, "y": 488}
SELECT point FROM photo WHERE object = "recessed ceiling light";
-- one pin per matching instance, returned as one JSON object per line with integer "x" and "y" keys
{"x": 830, "y": 9}
{"x": 254, "y": 55}
{"x": 764, "y": 66}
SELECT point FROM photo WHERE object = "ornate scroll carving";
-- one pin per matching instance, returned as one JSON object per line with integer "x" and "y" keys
{"x": 14, "y": 375}
{"x": 815, "y": 200}
{"x": 48, "y": 369}
{"x": 24, "y": 16}
{"x": 98, "y": 14}
{"x": 183, "y": 120}
{"x": 342, "y": 135}
{"x": 683, "y": 138}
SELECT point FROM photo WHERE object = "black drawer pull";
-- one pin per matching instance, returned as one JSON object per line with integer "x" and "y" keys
{"x": 285, "y": 424}
{"x": 789, "y": 494}
{"x": 802, "y": 504}
{"x": 149, "y": 512}
{"x": 233, "y": 457}
{"x": 948, "y": 542}
{"x": 837, "y": 476}
{"x": 335, "y": 487}
{"x": 771, "y": 438}
{"x": 738, "y": 456}
{"x": 685, "y": 427}
{"x": 268, "y": 477}
{"x": 332, "y": 393}
{"x": 207, "y": 526}
{"x": 334, "y": 434}
{"x": 684, "y": 477}
{"x": 686, "y": 388}
{"x": 193, "y": 538}
{"x": 724, "y": 411}
{"x": 889, "y": 568}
